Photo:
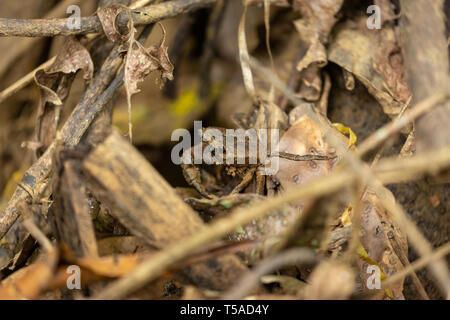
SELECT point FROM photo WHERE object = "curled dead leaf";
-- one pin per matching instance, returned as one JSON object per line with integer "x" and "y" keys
{"x": 140, "y": 62}
{"x": 73, "y": 56}
{"x": 159, "y": 52}
{"x": 54, "y": 85}
{"x": 109, "y": 16}
{"x": 47, "y": 83}
{"x": 30, "y": 281}
{"x": 318, "y": 18}
{"x": 373, "y": 58}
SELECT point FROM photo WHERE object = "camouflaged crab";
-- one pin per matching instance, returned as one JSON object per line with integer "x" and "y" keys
{"x": 239, "y": 169}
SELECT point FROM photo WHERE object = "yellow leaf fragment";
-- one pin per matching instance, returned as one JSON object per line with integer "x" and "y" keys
{"x": 346, "y": 131}
{"x": 345, "y": 217}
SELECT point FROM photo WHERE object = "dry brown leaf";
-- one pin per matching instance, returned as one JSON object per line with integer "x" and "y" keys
{"x": 159, "y": 52}
{"x": 375, "y": 59}
{"x": 318, "y": 18}
{"x": 316, "y": 54}
{"x": 140, "y": 62}
{"x": 46, "y": 83}
{"x": 54, "y": 85}
{"x": 108, "y": 17}
{"x": 73, "y": 56}
{"x": 29, "y": 282}
{"x": 311, "y": 83}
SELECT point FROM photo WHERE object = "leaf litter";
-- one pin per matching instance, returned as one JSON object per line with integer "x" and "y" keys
{"x": 108, "y": 207}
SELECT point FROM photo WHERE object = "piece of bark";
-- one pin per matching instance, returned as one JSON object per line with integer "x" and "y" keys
{"x": 427, "y": 67}
{"x": 137, "y": 195}
{"x": 73, "y": 221}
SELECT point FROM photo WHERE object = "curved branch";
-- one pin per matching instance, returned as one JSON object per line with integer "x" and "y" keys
{"x": 59, "y": 27}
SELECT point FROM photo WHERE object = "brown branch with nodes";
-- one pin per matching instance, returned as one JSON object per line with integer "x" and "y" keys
{"x": 60, "y": 27}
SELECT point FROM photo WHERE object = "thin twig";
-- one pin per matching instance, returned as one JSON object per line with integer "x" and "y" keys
{"x": 37, "y": 234}
{"x": 389, "y": 129}
{"x": 24, "y": 81}
{"x": 439, "y": 253}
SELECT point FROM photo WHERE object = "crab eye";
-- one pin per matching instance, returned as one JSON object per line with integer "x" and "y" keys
{"x": 276, "y": 183}
{"x": 295, "y": 178}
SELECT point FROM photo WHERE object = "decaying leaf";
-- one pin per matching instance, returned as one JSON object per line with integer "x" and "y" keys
{"x": 374, "y": 57}
{"x": 318, "y": 18}
{"x": 73, "y": 56}
{"x": 159, "y": 52}
{"x": 54, "y": 85}
{"x": 140, "y": 62}
{"x": 30, "y": 281}
{"x": 109, "y": 16}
